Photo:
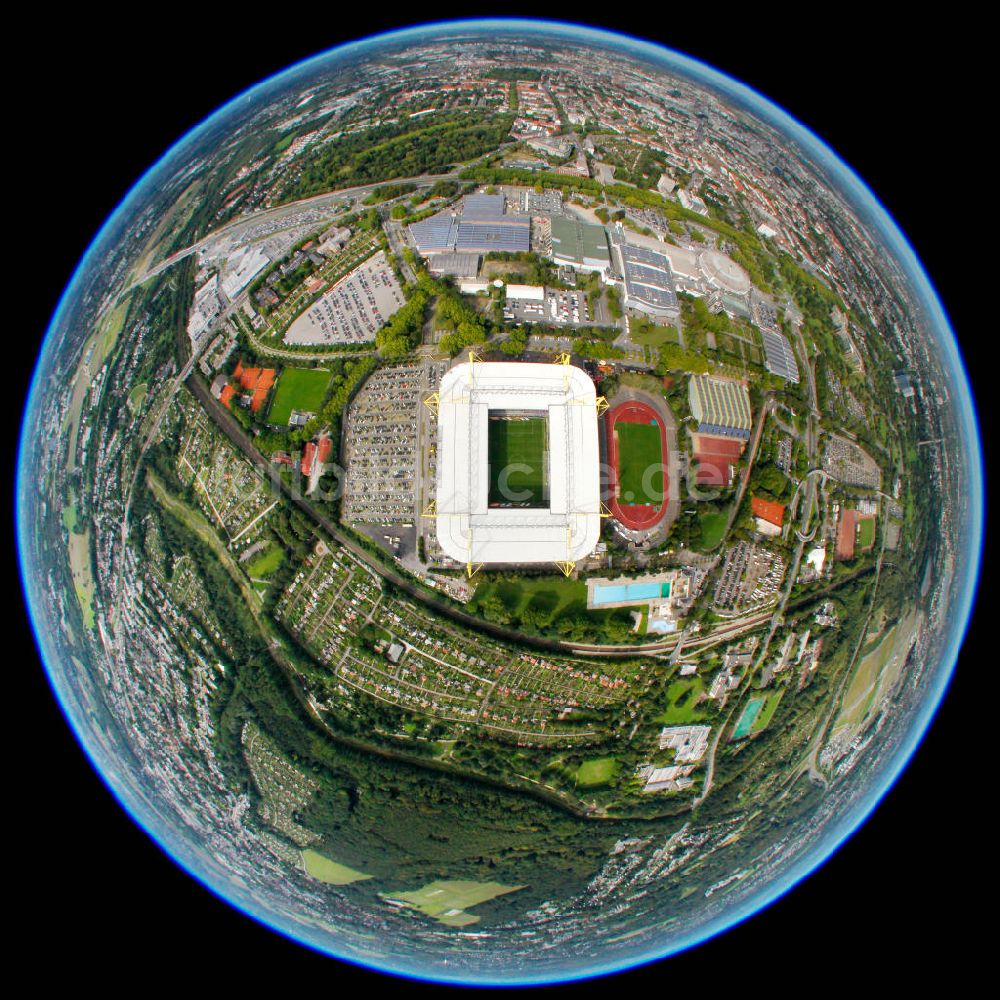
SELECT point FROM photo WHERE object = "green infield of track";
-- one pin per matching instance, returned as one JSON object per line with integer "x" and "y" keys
{"x": 639, "y": 447}
{"x": 521, "y": 443}
{"x": 302, "y": 389}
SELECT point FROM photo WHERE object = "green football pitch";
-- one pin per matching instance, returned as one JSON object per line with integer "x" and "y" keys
{"x": 517, "y": 456}
{"x": 302, "y": 389}
{"x": 639, "y": 449}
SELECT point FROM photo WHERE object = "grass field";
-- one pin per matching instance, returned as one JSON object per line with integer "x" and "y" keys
{"x": 137, "y": 395}
{"x": 557, "y": 595}
{"x": 866, "y": 533}
{"x": 713, "y": 526}
{"x": 448, "y": 901}
{"x": 767, "y": 710}
{"x": 330, "y": 872}
{"x": 301, "y": 389}
{"x": 83, "y": 581}
{"x": 638, "y": 449}
{"x": 682, "y": 697}
{"x": 517, "y": 456}
{"x": 599, "y": 771}
{"x": 265, "y": 563}
{"x": 654, "y": 336}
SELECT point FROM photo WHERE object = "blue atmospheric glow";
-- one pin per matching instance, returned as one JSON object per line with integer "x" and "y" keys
{"x": 184, "y": 853}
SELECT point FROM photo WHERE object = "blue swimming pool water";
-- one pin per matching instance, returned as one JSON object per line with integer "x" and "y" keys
{"x": 612, "y": 593}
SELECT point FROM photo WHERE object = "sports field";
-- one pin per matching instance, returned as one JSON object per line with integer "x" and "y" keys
{"x": 302, "y": 389}
{"x": 638, "y": 449}
{"x": 866, "y": 532}
{"x": 518, "y": 461}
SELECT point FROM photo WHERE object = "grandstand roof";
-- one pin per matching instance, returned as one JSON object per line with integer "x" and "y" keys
{"x": 721, "y": 406}
{"x": 469, "y": 530}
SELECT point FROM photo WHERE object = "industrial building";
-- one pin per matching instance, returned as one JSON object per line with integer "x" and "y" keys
{"x": 580, "y": 245}
{"x": 470, "y": 529}
{"x": 482, "y": 226}
{"x": 459, "y": 265}
{"x": 720, "y": 406}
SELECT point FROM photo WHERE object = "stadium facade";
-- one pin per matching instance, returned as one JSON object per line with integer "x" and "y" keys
{"x": 473, "y": 531}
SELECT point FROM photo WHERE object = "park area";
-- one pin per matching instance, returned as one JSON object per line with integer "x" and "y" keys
{"x": 518, "y": 462}
{"x": 299, "y": 390}
{"x": 597, "y": 771}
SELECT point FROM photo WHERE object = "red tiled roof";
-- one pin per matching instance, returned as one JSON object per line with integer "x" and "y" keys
{"x": 768, "y": 510}
{"x": 308, "y": 456}
{"x": 325, "y": 449}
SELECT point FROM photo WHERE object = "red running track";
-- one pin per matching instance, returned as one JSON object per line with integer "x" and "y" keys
{"x": 635, "y": 516}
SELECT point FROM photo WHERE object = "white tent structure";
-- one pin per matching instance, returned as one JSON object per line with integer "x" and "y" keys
{"x": 468, "y": 529}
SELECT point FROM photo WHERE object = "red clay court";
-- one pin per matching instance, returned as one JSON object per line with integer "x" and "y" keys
{"x": 715, "y": 456}
{"x": 635, "y": 516}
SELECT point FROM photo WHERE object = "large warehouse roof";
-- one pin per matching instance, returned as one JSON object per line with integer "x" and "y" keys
{"x": 481, "y": 227}
{"x": 472, "y": 532}
{"x": 581, "y": 244}
{"x": 649, "y": 284}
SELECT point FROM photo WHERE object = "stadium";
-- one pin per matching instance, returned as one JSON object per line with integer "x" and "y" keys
{"x": 637, "y": 461}
{"x": 517, "y": 464}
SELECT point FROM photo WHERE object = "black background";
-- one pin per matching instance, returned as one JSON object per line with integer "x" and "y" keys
{"x": 97, "y": 103}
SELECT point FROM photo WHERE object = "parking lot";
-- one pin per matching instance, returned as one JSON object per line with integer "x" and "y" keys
{"x": 353, "y": 310}
{"x": 383, "y": 452}
{"x": 559, "y": 308}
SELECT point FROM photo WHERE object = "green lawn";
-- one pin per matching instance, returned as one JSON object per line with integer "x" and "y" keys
{"x": 866, "y": 532}
{"x": 767, "y": 710}
{"x": 302, "y": 389}
{"x": 549, "y": 594}
{"x": 639, "y": 448}
{"x": 448, "y": 901}
{"x": 330, "y": 872}
{"x": 653, "y": 336}
{"x": 599, "y": 771}
{"x": 713, "y": 525}
{"x": 518, "y": 460}
{"x": 682, "y": 697}
{"x": 137, "y": 395}
{"x": 263, "y": 564}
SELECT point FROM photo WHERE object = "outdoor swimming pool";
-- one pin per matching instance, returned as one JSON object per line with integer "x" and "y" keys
{"x": 608, "y": 593}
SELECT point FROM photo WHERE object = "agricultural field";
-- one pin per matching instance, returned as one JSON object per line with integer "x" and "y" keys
{"x": 447, "y": 902}
{"x": 298, "y": 389}
{"x": 874, "y": 677}
{"x": 639, "y": 448}
{"x": 330, "y": 872}
{"x": 518, "y": 461}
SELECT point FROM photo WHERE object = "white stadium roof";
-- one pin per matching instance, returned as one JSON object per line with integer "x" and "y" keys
{"x": 472, "y": 532}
